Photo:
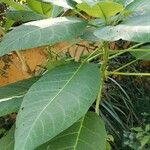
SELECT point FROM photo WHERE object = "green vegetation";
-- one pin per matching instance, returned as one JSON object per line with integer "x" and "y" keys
{"x": 87, "y": 104}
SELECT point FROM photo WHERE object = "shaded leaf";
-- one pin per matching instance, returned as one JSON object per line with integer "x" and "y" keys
{"x": 60, "y": 98}
{"x": 88, "y": 35}
{"x": 7, "y": 142}
{"x": 24, "y": 16}
{"x": 40, "y": 33}
{"x": 10, "y": 105}
{"x": 86, "y": 134}
{"x": 142, "y": 55}
{"x": 16, "y": 89}
{"x": 11, "y": 96}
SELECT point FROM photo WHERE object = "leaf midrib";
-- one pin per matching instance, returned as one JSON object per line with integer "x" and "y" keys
{"x": 53, "y": 100}
{"x": 79, "y": 132}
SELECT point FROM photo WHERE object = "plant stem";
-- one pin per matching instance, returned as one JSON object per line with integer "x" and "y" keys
{"x": 118, "y": 54}
{"x": 128, "y": 73}
{"x": 103, "y": 70}
{"x": 124, "y": 66}
{"x": 129, "y": 50}
{"x": 93, "y": 57}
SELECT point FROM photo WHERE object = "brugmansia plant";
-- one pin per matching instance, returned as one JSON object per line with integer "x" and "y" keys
{"x": 53, "y": 107}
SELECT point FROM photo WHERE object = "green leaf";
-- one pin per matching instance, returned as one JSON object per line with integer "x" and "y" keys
{"x": 24, "y": 16}
{"x": 8, "y": 24}
{"x": 124, "y": 2}
{"x": 138, "y": 6}
{"x": 14, "y": 4}
{"x": 16, "y": 89}
{"x": 88, "y": 35}
{"x": 11, "y": 96}
{"x": 7, "y": 142}
{"x": 41, "y": 33}
{"x": 108, "y": 147}
{"x": 86, "y": 134}
{"x": 57, "y": 10}
{"x": 63, "y": 3}
{"x": 138, "y": 129}
{"x": 134, "y": 29}
{"x": 145, "y": 140}
{"x": 40, "y": 7}
{"x": 147, "y": 128}
{"x": 101, "y": 9}
{"x": 60, "y": 98}
{"x": 142, "y": 55}
{"x": 10, "y": 105}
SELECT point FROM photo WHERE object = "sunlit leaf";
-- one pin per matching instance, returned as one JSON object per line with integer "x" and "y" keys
{"x": 40, "y": 7}
{"x": 101, "y": 9}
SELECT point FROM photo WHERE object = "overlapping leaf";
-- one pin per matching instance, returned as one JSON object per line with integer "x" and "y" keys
{"x": 11, "y": 95}
{"x": 40, "y": 7}
{"x": 55, "y": 102}
{"x": 134, "y": 29}
{"x": 101, "y": 9}
{"x": 40, "y": 33}
{"x": 140, "y": 7}
{"x": 86, "y": 134}
{"x": 63, "y": 3}
{"x": 24, "y": 16}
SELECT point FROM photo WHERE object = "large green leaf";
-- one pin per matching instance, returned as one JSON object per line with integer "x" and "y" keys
{"x": 11, "y": 96}
{"x": 40, "y": 33}
{"x": 139, "y": 6}
{"x": 134, "y": 29}
{"x": 86, "y": 134}
{"x": 24, "y": 16}
{"x": 101, "y": 9}
{"x": 40, "y": 7}
{"x": 7, "y": 142}
{"x": 60, "y": 98}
